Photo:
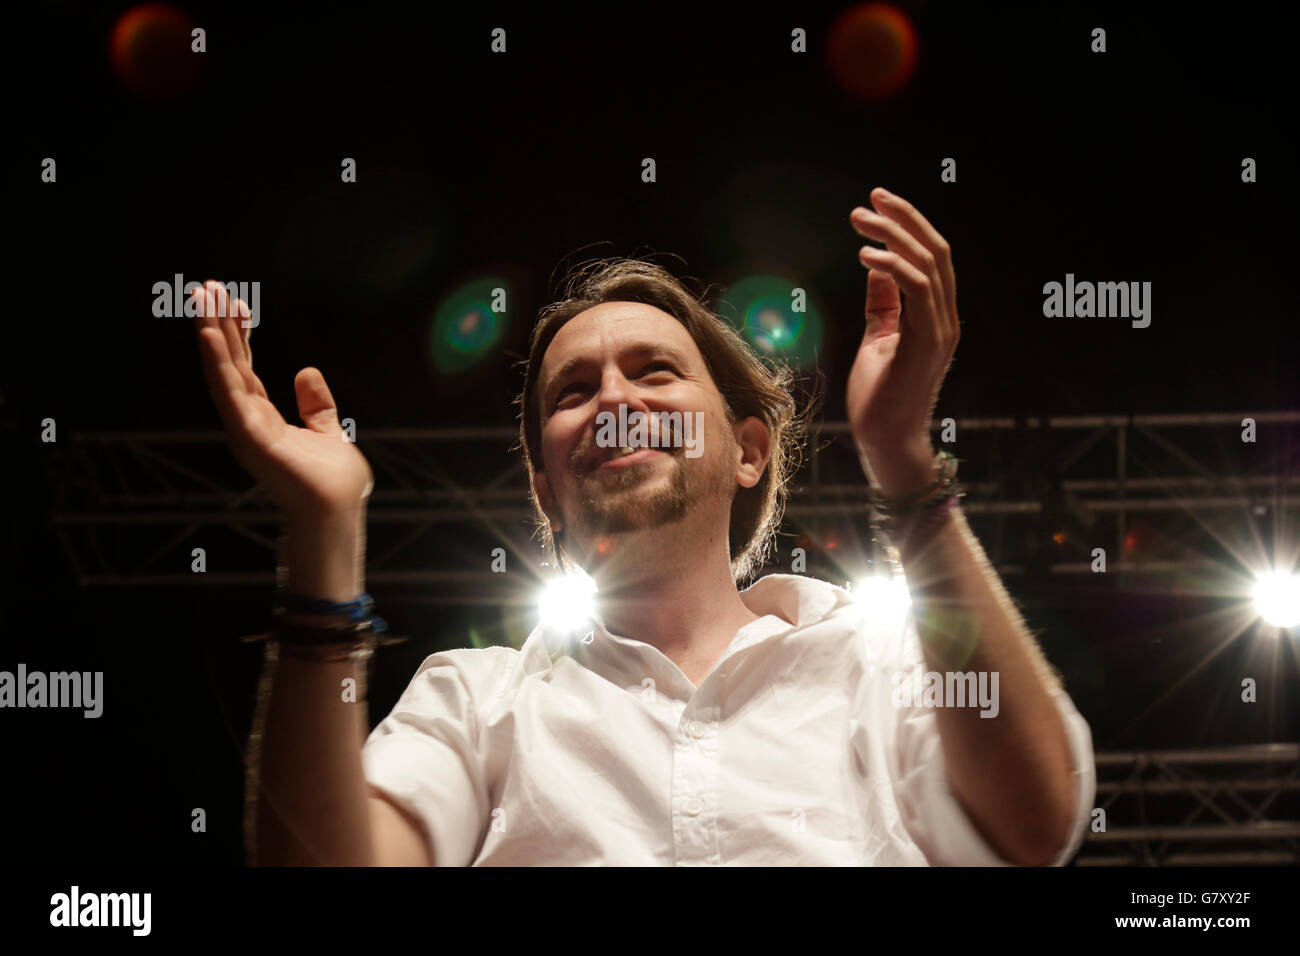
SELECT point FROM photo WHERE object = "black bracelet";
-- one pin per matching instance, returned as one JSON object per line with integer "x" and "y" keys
{"x": 350, "y": 633}
{"x": 892, "y": 522}
{"x": 945, "y": 466}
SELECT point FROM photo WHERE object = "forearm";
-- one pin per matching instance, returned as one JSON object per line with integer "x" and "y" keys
{"x": 1012, "y": 772}
{"x": 312, "y": 806}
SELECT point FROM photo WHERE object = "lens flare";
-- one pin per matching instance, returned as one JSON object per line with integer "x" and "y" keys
{"x": 1277, "y": 598}
{"x": 884, "y": 597}
{"x": 568, "y": 602}
{"x": 468, "y": 324}
{"x": 151, "y": 49}
{"x": 776, "y": 318}
{"x": 872, "y": 51}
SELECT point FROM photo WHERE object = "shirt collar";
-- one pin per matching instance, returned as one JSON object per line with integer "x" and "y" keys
{"x": 787, "y": 597}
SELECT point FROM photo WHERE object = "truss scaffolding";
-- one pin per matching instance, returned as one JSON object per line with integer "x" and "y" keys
{"x": 129, "y": 507}
{"x": 160, "y": 493}
{"x": 1216, "y": 801}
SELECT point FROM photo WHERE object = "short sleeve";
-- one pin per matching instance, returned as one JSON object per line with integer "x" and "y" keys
{"x": 425, "y": 756}
{"x": 934, "y": 816}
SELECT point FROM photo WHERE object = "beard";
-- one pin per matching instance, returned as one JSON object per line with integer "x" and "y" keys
{"x": 634, "y": 498}
{"x": 637, "y": 497}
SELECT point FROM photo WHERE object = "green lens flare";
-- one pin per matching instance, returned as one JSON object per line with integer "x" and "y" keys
{"x": 775, "y": 316}
{"x": 468, "y": 324}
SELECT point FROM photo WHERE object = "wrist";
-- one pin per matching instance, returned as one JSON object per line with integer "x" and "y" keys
{"x": 913, "y": 534}
{"x": 898, "y": 472}
{"x": 326, "y": 555}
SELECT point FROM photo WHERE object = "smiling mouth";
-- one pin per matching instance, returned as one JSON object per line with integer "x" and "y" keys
{"x": 626, "y": 457}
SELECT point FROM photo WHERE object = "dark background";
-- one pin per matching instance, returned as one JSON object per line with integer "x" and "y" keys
{"x": 1122, "y": 166}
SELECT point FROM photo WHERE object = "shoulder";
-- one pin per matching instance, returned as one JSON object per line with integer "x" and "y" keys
{"x": 463, "y": 686}
{"x": 479, "y": 673}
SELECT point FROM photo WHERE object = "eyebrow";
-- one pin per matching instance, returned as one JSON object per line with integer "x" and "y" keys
{"x": 635, "y": 350}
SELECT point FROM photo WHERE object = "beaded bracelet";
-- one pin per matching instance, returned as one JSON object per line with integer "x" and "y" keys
{"x": 899, "y": 520}
{"x": 358, "y": 609}
{"x": 901, "y": 531}
{"x": 945, "y": 465}
{"x": 355, "y": 640}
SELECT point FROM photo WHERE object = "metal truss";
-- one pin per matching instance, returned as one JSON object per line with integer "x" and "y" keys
{"x": 129, "y": 506}
{"x": 1195, "y": 808}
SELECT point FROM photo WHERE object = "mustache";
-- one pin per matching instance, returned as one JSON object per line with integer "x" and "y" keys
{"x": 589, "y": 456}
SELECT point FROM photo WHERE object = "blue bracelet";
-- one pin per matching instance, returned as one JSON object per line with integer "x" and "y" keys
{"x": 355, "y": 610}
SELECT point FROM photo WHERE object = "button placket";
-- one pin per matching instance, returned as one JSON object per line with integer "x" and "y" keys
{"x": 695, "y": 775}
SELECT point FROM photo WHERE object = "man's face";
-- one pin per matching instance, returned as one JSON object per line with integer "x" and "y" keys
{"x": 638, "y": 356}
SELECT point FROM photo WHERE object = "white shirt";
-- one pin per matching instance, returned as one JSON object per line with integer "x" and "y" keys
{"x": 791, "y": 752}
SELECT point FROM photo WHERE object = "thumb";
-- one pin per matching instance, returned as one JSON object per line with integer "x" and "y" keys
{"x": 884, "y": 305}
{"x": 315, "y": 403}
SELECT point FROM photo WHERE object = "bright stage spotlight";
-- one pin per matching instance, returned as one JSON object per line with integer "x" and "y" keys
{"x": 568, "y": 602}
{"x": 1277, "y": 598}
{"x": 884, "y": 596}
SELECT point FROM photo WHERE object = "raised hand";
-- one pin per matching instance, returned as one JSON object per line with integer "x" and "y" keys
{"x": 312, "y": 473}
{"x": 902, "y": 361}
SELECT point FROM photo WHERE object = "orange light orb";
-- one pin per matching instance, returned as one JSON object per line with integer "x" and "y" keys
{"x": 151, "y": 51}
{"x": 872, "y": 51}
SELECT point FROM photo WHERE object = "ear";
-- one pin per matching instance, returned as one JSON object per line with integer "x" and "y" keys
{"x": 753, "y": 450}
{"x": 542, "y": 488}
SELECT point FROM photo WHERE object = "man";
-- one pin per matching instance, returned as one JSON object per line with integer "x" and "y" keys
{"x": 690, "y": 722}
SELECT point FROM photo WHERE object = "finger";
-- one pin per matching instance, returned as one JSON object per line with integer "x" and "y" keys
{"x": 228, "y": 320}
{"x": 229, "y": 323}
{"x": 316, "y": 405}
{"x": 883, "y": 304}
{"x": 224, "y": 382}
{"x": 209, "y": 312}
{"x": 202, "y": 319}
{"x": 921, "y": 317}
{"x": 875, "y": 226}
{"x": 242, "y": 312}
{"x": 239, "y": 309}
{"x": 898, "y": 208}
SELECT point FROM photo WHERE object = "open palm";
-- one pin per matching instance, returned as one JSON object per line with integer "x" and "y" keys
{"x": 309, "y": 472}
{"x": 903, "y": 358}
{"x": 880, "y": 395}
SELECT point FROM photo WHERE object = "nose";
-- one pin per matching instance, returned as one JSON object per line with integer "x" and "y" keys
{"x": 616, "y": 390}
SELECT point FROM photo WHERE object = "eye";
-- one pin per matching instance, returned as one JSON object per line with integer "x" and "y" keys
{"x": 659, "y": 363}
{"x": 566, "y": 392}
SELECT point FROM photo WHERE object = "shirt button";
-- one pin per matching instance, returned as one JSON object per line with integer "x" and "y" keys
{"x": 693, "y": 806}
{"x": 697, "y": 729}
